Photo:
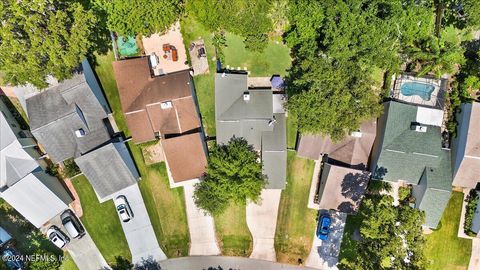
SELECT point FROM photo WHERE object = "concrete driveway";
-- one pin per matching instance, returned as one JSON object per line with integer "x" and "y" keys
{"x": 324, "y": 254}
{"x": 84, "y": 252}
{"x": 201, "y": 227}
{"x": 262, "y": 222}
{"x": 139, "y": 232}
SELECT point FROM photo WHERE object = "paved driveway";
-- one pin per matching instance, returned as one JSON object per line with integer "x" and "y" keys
{"x": 324, "y": 254}
{"x": 201, "y": 227}
{"x": 475, "y": 257}
{"x": 233, "y": 263}
{"x": 262, "y": 222}
{"x": 83, "y": 251}
{"x": 139, "y": 232}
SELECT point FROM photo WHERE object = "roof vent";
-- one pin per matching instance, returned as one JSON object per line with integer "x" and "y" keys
{"x": 246, "y": 96}
{"x": 357, "y": 134}
{"x": 166, "y": 105}
{"x": 418, "y": 127}
{"x": 80, "y": 133}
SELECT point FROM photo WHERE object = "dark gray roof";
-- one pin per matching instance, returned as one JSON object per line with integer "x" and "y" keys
{"x": 55, "y": 115}
{"x": 252, "y": 120}
{"x": 109, "y": 169}
{"x": 404, "y": 153}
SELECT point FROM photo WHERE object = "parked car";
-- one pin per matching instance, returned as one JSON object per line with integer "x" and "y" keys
{"x": 57, "y": 237}
{"x": 123, "y": 208}
{"x": 11, "y": 258}
{"x": 72, "y": 225}
{"x": 323, "y": 226}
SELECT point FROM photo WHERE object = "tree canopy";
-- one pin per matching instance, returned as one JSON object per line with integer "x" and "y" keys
{"x": 41, "y": 38}
{"x": 248, "y": 19}
{"x": 391, "y": 236}
{"x": 234, "y": 175}
{"x": 129, "y": 17}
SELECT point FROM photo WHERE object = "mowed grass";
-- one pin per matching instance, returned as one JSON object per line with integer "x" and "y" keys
{"x": 349, "y": 245}
{"x": 233, "y": 233}
{"x": 444, "y": 250}
{"x": 102, "y": 222}
{"x": 68, "y": 263}
{"x": 296, "y": 222}
{"x": 275, "y": 59}
{"x": 204, "y": 84}
{"x": 165, "y": 206}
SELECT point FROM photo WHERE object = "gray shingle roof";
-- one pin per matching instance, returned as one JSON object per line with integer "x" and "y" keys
{"x": 251, "y": 120}
{"x": 109, "y": 169}
{"x": 56, "y": 113}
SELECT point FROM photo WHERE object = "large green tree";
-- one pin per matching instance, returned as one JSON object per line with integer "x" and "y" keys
{"x": 234, "y": 175}
{"x": 129, "y": 17}
{"x": 248, "y": 19}
{"x": 41, "y": 38}
{"x": 391, "y": 236}
{"x": 336, "y": 46}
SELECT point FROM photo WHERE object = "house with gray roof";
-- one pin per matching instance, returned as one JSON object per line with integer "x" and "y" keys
{"x": 23, "y": 183}
{"x": 256, "y": 114}
{"x": 409, "y": 149}
{"x": 67, "y": 119}
{"x": 466, "y": 147}
{"x": 109, "y": 169}
{"x": 70, "y": 120}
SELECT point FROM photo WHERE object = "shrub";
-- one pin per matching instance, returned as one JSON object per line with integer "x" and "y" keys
{"x": 70, "y": 168}
{"x": 52, "y": 169}
{"x": 377, "y": 186}
{"x": 472, "y": 201}
{"x": 404, "y": 193}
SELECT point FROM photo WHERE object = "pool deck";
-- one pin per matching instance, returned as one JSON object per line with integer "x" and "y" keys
{"x": 437, "y": 96}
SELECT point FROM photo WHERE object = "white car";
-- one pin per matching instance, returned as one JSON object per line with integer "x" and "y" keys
{"x": 57, "y": 237}
{"x": 123, "y": 208}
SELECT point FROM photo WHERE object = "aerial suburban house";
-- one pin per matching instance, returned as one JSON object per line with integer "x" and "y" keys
{"x": 256, "y": 113}
{"x": 466, "y": 147}
{"x": 71, "y": 120}
{"x": 164, "y": 107}
{"x": 343, "y": 176}
{"x": 23, "y": 183}
{"x": 410, "y": 150}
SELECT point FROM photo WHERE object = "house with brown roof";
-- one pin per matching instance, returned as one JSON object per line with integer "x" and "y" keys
{"x": 163, "y": 107}
{"x": 466, "y": 147}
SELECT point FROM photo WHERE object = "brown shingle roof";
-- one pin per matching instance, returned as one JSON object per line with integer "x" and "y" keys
{"x": 185, "y": 156}
{"x": 139, "y": 91}
{"x": 352, "y": 150}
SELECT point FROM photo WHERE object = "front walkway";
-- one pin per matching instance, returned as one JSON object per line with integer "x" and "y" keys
{"x": 262, "y": 222}
{"x": 475, "y": 258}
{"x": 141, "y": 238}
{"x": 324, "y": 254}
{"x": 201, "y": 227}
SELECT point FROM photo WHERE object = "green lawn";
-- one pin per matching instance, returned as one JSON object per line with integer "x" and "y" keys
{"x": 349, "y": 246}
{"x": 165, "y": 206}
{"x": 233, "y": 233}
{"x": 275, "y": 59}
{"x": 68, "y": 263}
{"x": 291, "y": 131}
{"x": 444, "y": 249}
{"x": 102, "y": 222}
{"x": 296, "y": 222}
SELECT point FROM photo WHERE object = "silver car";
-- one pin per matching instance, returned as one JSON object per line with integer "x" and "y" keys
{"x": 123, "y": 208}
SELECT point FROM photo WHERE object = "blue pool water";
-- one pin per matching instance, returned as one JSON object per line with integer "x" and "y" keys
{"x": 416, "y": 88}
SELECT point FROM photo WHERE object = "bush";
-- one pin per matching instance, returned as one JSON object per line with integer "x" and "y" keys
{"x": 472, "y": 201}
{"x": 52, "y": 169}
{"x": 404, "y": 193}
{"x": 377, "y": 186}
{"x": 70, "y": 168}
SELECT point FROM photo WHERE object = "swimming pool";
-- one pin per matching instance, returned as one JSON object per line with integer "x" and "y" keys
{"x": 416, "y": 88}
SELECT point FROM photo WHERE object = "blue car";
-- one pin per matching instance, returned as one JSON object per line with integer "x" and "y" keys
{"x": 11, "y": 257}
{"x": 323, "y": 227}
